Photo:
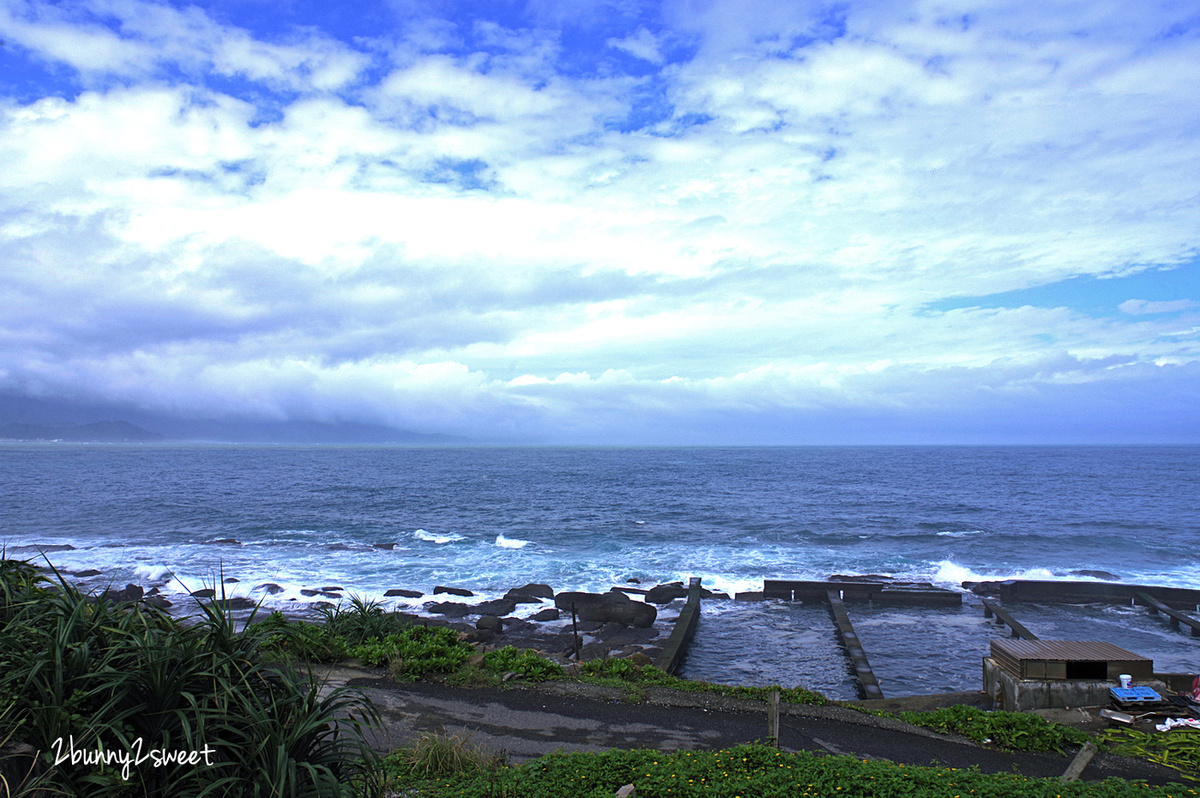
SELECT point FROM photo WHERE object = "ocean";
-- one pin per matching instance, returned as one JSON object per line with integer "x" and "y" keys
{"x": 372, "y": 518}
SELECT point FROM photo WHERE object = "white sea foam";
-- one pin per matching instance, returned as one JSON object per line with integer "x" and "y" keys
{"x": 153, "y": 573}
{"x": 960, "y": 534}
{"x": 431, "y": 537}
{"x": 510, "y": 543}
{"x": 953, "y": 573}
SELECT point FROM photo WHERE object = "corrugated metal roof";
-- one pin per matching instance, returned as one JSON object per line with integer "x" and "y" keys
{"x": 1066, "y": 650}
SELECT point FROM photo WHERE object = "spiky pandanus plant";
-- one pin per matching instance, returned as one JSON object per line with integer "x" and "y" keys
{"x": 83, "y": 670}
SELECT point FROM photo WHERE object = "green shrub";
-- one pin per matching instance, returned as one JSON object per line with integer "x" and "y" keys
{"x": 525, "y": 662}
{"x": 362, "y": 620}
{"x": 624, "y": 672}
{"x": 437, "y": 755}
{"x": 755, "y": 771}
{"x": 307, "y": 642}
{"x": 1017, "y": 731}
{"x": 416, "y": 651}
{"x": 104, "y": 675}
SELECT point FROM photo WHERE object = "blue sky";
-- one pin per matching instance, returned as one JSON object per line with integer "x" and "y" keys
{"x": 605, "y": 221}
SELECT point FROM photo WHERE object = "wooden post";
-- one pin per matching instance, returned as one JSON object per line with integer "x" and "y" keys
{"x": 1075, "y": 769}
{"x": 575, "y": 631}
{"x": 773, "y": 718}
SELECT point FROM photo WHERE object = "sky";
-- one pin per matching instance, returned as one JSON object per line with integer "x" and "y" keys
{"x": 610, "y": 221}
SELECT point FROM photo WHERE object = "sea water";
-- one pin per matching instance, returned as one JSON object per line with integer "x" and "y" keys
{"x": 183, "y": 517}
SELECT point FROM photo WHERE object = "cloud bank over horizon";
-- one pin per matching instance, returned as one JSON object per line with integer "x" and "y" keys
{"x": 676, "y": 222}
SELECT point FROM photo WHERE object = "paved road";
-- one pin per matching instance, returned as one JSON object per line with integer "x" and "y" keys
{"x": 526, "y": 723}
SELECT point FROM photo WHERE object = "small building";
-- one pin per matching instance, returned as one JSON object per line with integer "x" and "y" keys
{"x": 1038, "y": 674}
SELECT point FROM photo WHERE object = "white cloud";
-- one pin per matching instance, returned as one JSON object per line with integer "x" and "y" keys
{"x": 1141, "y": 307}
{"x": 477, "y": 240}
{"x": 640, "y": 44}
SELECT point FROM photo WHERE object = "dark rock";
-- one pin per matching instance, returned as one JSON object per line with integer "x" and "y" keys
{"x": 384, "y": 546}
{"x": 321, "y": 592}
{"x": 491, "y": 623}
{"x": 665, "y": 594}
{"x": 1085, "y": 572}
{"x": 608, "y": 630}
{"x": 238, "y": 603}
{"x": 399, "y": 591}
{"x": 270, "y": 587}
{"x": 612, "y": 606}
{"x": 587, "y": 627}
{"x": 534, "y": 589}
{"x": 84, "y": 573}
{"x": 593, "y": 651}
{"x": 451, "y": 609}
{"x": 229, "y": 580}
{"x": 633, "y": 581}
{"x": 453, "y": 591}
{"x": 130, "y": 593}
{"x": 720, "y": 596}
{"x": 859, "y": 578}
{"x": 516, "y": 626}
{"x": 628, "y": 635}
{"x": 230, "y": 541}
{"x": 640, "y": 659}
{"x": 548, "y": 614}
{"x": 154, "y": 591}
{"x": 496, "y": 607}
{"x": 158, "y": 601}
{"x": 564, "y": 600}
{"x": 332, "y": 588}
{"x": 521, "y": 598}
{"x": 476, "y": 636}
{"x": 207, "y": 592}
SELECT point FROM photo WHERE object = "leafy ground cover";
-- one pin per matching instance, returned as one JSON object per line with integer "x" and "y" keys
{"x": 1178, "y": 748}
{"x": 1015, "y": 731}
{"x": 750, "y": 771}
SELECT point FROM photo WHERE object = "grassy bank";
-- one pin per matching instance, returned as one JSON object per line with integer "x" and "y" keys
{"x": 749, "y": 771}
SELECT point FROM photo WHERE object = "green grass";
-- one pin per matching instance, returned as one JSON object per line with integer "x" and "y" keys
{"x": 749, "y": 771}
{"x": 1015, "y": 731}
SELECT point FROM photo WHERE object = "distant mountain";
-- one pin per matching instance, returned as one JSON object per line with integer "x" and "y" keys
{"x": 97, "y": 432}
{"x": 38, "y": 419}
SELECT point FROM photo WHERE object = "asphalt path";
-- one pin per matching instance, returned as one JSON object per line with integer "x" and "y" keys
{"x": 528, "y": 721}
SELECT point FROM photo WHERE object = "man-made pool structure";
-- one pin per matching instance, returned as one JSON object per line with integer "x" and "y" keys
{"x": 1021, "y": 672}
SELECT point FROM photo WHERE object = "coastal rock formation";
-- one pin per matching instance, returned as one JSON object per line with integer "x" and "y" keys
{"x": 534, "y": 590}
{"x": 605, "y": 607}
{"x": 451, "y": 609}
{"x": 399, "y": 591}
{"x": 502, "y": 606}
{"x": 270, "y": 587}
{"x": 453, "y": 591}
{"x": 665, "y": 594}
{"x": 130, "y": 593}
{"x": 490, "y": 623}
{"x": 322, "y": 592}
{"x": 548, "y": 614}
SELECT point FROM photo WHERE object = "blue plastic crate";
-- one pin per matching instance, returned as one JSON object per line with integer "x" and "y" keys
{"x": 1134, "y": 695}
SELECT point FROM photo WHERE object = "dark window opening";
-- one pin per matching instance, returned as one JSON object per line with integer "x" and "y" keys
{"x": 1087, "y": 670}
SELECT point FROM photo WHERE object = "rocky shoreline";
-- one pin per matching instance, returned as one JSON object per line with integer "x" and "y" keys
{"x": 626, "y": 621}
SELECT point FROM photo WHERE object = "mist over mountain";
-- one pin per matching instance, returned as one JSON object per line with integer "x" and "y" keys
{"x": 37, "y": 419}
